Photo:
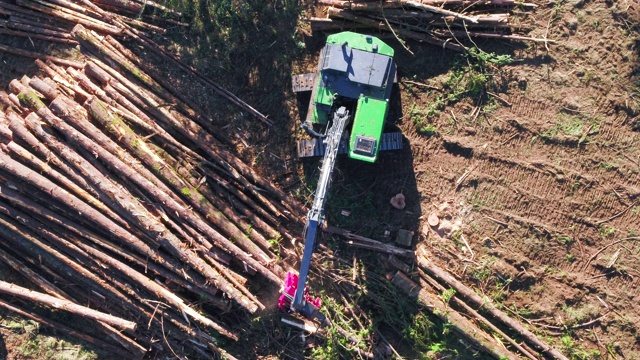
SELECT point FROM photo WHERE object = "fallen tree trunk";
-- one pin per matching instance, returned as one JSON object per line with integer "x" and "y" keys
{"x": 459, "y": 323}
{"x": 202, "y": 139}
{"x": 28, "y": 273}
{"x": 38, "y": 29}
{"x": 34, "y": 55}
{"x": 65, "y": 305}
{"x": 67, "y": 330}
{"x": 486, "y": 307}
{"x": 426, "y": 280}
{"x": 131, "y": 208}
{"x": 46, "y": 170}
{"x": 70, "y": 15}
{"x": 367, "y": 243}
{"x": 197, "y": 284}
{"x": 138, "y": 146}
{"x": 30, "y": 35}
{"x": 350, "y": 15}
{"x": 176, "y": 208}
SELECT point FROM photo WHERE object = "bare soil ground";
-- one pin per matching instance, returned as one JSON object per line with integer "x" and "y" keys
{"x": 550, "y": 205}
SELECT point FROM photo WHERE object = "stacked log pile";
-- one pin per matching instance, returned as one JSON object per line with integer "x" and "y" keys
{"x": 52, "y": 21}
{"x": 449, "y": 24}
{"x": 111, "y": 199}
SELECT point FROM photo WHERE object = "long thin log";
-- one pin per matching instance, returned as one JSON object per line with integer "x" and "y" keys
{"x": 34, "y": 277}
{"x": 370, "y": 6}
{"x": 16, "y": 125}
{"x": 465, "y": 3}
{"x": 67, "y": 330}
{"x": 35, "y": 55}
{"x": 21, "y": 11}
{"x": 70, "y": 6}
{"x": 426, "y": 279}
{"x": 367, "y": 243}
{"x": 228, "y": 162}
{"x": 195, "y": 284}
{"x": 439, "y": 10}
{"x": 486, "y": 307}
{"x": 31, "y": 35}
{"x": 462, "y": 34}
{"x": 150, "y": 223}
{"x": 36, "y": 28}
{"x": 126, "y": 5}
{"x": 46, "y": 170}
{"x": 65, "y": 305}
{"x": 324, "y": 24}
{"x": 350, "y": 15}
{"x": 70, "y": 15}
{"x": 47, "y": 23}
{"x": 460, "y": 324}
{"x": 376, "y": 6}
{"x": 159, "y": 291}
{"x": 137, "y": 145}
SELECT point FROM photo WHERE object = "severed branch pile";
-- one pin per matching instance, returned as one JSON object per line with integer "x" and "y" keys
{"x": 113, "y": 200}
{"x": 446, "y": 23}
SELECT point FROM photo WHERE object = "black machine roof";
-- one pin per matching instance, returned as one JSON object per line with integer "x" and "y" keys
{"x": 362, "y": 67}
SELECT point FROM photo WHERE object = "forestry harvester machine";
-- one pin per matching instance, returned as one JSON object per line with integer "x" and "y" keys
{"x": 350, "y": 94}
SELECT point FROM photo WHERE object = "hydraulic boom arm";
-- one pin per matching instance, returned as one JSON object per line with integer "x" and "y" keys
{"x": 315, "y": 216}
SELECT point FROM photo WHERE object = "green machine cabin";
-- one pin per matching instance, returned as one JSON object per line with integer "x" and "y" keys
{"x": 355, "y": 71}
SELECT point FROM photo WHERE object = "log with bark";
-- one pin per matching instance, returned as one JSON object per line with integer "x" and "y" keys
{"x": 460, "y": 324}
{"x": 217, "y": 157}
{"x": 433, "y": 21}
{"x": 486, "y": 307}
{"x": 34, "y": 55}
{"x": 98, "y": 111}
{"x": 128, "y": 206}
{"x": 106, "y": 347}
{"x": 60, "y": 304}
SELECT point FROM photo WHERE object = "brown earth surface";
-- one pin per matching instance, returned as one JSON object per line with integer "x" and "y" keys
{"x": 550, "y": 204}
